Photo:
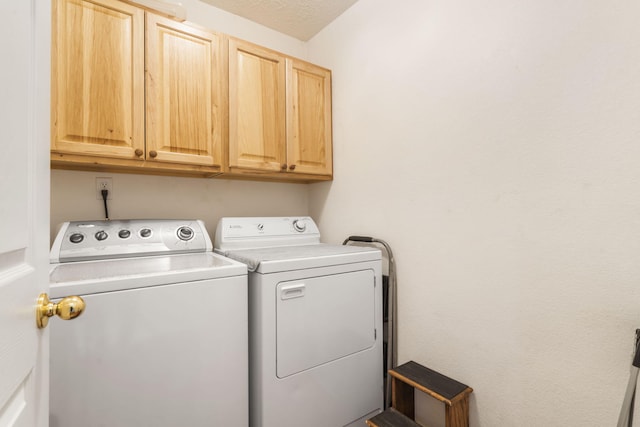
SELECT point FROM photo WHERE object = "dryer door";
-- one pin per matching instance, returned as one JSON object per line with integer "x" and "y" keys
{"x": 322, "y": 319}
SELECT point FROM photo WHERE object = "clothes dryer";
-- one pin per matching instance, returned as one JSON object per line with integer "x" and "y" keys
{"x": 315, "y": 323}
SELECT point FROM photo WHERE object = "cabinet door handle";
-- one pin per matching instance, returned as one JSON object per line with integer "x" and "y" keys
{"x": 139, "y": 152}
{"x": 283, "y": 167}
{"x": 153, "y": 154}
{"x": 292, "y": 167}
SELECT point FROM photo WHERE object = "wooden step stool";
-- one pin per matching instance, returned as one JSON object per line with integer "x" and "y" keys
{"x": 410, "y": 376}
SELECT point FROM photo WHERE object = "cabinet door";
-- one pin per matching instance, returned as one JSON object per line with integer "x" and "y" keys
{"x": 98, "y": 78}
{"x": 256, "y": 107}
{"x": 309, "y": 141}
{"x": 185, "y": 110}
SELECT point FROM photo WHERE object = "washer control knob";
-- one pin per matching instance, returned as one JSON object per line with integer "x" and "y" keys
{"x": 76, "y": 238}
{"x": 145, "y": 232}
{"x": 185, "y": 233}
{"x": 299, "y": 225}
{"x": 124, "y": 234}
{"x": 101, "y": 235}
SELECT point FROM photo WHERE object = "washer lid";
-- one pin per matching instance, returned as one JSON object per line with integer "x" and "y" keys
{"x": 90, "y": 277}
{"x": 287, "y": 258}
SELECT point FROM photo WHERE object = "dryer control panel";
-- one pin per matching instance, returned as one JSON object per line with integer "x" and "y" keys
{"x": 89, "y": 240}
{"x": 262, "y": 232}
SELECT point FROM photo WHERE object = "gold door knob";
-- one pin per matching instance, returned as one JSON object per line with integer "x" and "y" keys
{"x": 68, "y": 308}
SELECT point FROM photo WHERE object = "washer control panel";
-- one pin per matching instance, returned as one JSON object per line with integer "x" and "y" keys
{"x": 255, "y": 232}
{"x": 88, "y": 240}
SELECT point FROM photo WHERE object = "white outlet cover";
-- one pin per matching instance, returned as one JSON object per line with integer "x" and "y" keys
{"x": 108, "y": 181}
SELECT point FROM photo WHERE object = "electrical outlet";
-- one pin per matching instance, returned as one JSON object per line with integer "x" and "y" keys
{"x": 104, "y": 183}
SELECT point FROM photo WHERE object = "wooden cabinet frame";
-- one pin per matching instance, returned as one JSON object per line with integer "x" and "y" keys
{"x": 104, "y": 120}
{"x": 115, "y": 87}
{"x": 309, "y": 138}
{"x": 256, "y": 107}
{"x": 136, "y": 92}
{"x": 279, "y": 116}
{"x": 185, "y": 102}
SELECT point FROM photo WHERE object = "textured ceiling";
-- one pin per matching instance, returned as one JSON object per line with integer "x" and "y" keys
{"x": 301, "y": 19}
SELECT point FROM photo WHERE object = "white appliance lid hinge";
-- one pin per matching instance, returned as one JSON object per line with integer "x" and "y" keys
{"x": 375, "y": 334}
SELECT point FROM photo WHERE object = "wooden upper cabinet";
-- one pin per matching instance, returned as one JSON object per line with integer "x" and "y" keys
{"x": 309, "y": 137}
{"x": 279, "y": 115}
{"x": 133, "y": 91}
{"x": 98, "y": 86}
{"x": 256, "y": 107}
{"x": 185, "y": 103}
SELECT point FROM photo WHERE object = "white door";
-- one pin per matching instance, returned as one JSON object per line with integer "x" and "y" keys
{"x": 24, "y": 209}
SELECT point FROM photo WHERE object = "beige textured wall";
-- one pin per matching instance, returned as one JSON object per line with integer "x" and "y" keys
{"x": 73, "y": 197}
{"x": 495, "y": 146}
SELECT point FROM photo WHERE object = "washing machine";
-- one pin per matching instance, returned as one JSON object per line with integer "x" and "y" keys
{"x": 163, "y": 338}
{"x": 315, "y": 323}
